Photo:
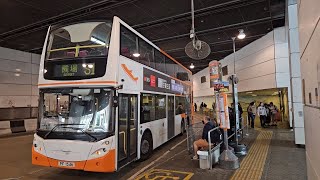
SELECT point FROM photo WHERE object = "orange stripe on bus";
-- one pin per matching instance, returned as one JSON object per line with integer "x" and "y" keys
{"x": 106, "y": 163}
{"x": 102, "y": 164}
{"x": 83, "y": 82}
{"x": 39, "y": 159}
{"x": 129, "y": 72}
{"x": 175, "y": 60}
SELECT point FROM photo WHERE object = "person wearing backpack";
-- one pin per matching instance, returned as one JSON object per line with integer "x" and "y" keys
{"x": 262, "y": 113}
{"x": 203, "y": 142}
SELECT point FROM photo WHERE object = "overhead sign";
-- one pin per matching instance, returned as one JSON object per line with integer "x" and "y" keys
{"x": 153, "y": 81}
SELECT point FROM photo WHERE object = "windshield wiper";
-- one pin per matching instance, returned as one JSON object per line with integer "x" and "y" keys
{"x": 58, "y": 125}
{"x": 83, "y": 131}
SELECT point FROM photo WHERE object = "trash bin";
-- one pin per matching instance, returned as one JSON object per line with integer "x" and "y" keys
{"x": 204, "y": 158}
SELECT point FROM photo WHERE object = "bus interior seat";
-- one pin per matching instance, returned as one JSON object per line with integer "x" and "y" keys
{"x": 125, "y": 52}
{"x": 83, "y": 53}
{"x": 71, "y": 54}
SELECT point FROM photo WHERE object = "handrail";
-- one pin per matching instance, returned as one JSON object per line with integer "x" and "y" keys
{"x": 209, "y": 139}
{"x": 75, "y": 47}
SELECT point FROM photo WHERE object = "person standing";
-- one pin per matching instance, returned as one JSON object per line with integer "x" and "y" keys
{"x": 252, "y": 110}
{"x": 262, "y": 113}
{"x": 201, "y": 107}
{"x": 195, "y": 107}
{"x": 273, "y": 112}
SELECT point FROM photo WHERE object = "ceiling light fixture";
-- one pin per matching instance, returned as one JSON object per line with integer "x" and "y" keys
{"x": 136, "y": 54}
{"x": 90, "y": 66}
{"x": 241, "y": 35}
{"x": 249, "y": 92}
{"x": 18, "y": 70}
{"x": 17, "y": 74}
{"x": 84, "y": 65}
{"x": 95, "y": 40}
{"x": 191, "y": 66}
{"x": 254, "y": 95}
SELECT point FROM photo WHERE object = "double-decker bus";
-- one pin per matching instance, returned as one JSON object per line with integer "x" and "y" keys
{"x": 108, "y": 96}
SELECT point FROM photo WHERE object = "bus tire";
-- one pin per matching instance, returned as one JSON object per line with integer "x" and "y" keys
{"x": 146, "y": 146}
{"x": 183, "y": 127}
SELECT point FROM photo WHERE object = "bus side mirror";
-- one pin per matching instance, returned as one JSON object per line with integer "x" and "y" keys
{"x": 115, "y": 101}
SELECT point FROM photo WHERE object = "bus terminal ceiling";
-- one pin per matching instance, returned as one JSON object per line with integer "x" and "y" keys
{"x": 166, "y": 23}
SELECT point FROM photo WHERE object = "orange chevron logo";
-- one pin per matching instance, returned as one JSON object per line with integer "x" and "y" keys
{"x": 129, "y": 72}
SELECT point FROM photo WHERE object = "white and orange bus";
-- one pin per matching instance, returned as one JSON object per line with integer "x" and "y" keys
{"x": 108, "y": 96}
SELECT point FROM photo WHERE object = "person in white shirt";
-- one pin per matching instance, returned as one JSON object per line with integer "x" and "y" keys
{"x": 252, "y": 111}
{"x": 262, "y": 113}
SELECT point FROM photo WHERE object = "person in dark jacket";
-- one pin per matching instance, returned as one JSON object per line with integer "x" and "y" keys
{"x": 203, "y": 142}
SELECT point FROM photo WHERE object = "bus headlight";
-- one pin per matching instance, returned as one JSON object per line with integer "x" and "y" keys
{"x": 100, "y": 152}
{"x": 38, "y": 145}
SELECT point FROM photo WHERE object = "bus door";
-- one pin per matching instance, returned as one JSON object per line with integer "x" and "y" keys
{"x": 127, "y": 128}
{"x": 171, "y": 121}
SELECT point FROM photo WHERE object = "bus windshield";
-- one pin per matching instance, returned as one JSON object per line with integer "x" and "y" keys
{"x": 79, "y": 40}
{"x": 77, "y": 110}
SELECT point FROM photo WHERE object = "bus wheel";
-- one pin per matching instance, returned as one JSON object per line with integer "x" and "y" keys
{"x": 146, "y": 146}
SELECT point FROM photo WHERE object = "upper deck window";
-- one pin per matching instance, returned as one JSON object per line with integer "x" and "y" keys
{"x": 79, "y": 40}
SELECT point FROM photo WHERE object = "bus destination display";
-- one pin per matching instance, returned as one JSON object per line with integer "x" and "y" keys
{"x": 72, "y": 70}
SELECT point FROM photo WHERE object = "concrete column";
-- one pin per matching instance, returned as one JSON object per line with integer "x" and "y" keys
{"x": 295, "y": 73}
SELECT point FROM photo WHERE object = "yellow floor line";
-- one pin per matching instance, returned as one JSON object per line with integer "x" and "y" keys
{"x": 252, "y": 165}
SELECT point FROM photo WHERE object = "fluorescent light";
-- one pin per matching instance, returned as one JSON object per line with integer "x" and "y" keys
{"x": 90, "y": 66}
{"x": 84, "y": 65}
{"x": 18, "y": 70}
{"x": 241, "y": 35}
{"x": 136, "y": 54}
{"x": 17, "y": 74}
{"x": 254, "y": 95}
{"x": 191, "y": 66}
{"x": 249, "y": 92}
{"x": 95, "y": 40}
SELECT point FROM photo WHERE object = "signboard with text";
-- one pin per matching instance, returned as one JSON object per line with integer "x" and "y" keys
{"x": 153, "y": 81}
{"x": 222, "y": 86}
{"x": 223, "y": 111}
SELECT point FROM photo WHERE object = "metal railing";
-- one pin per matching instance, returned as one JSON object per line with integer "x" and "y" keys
{"x": 194, "y": 132}
{"x": 211, "y": 150}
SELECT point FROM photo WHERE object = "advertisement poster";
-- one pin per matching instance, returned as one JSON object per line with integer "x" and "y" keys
{"x": 153, "y": 81}
{"x": 213, "y": 72}
{"x": 220, "y": 86}
{"x": 223, "y": 111}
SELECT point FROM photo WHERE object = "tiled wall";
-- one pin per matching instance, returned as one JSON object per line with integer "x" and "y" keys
{"x": 309, "y": 31}
{"x": 18, "y": 78}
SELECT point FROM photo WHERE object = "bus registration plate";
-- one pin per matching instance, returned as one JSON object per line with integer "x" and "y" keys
{"x": 66, "y": 164}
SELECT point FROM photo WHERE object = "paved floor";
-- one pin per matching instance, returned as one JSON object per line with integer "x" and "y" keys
{"x": 285, "y": 160}
{"x": 279, "y": 157}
